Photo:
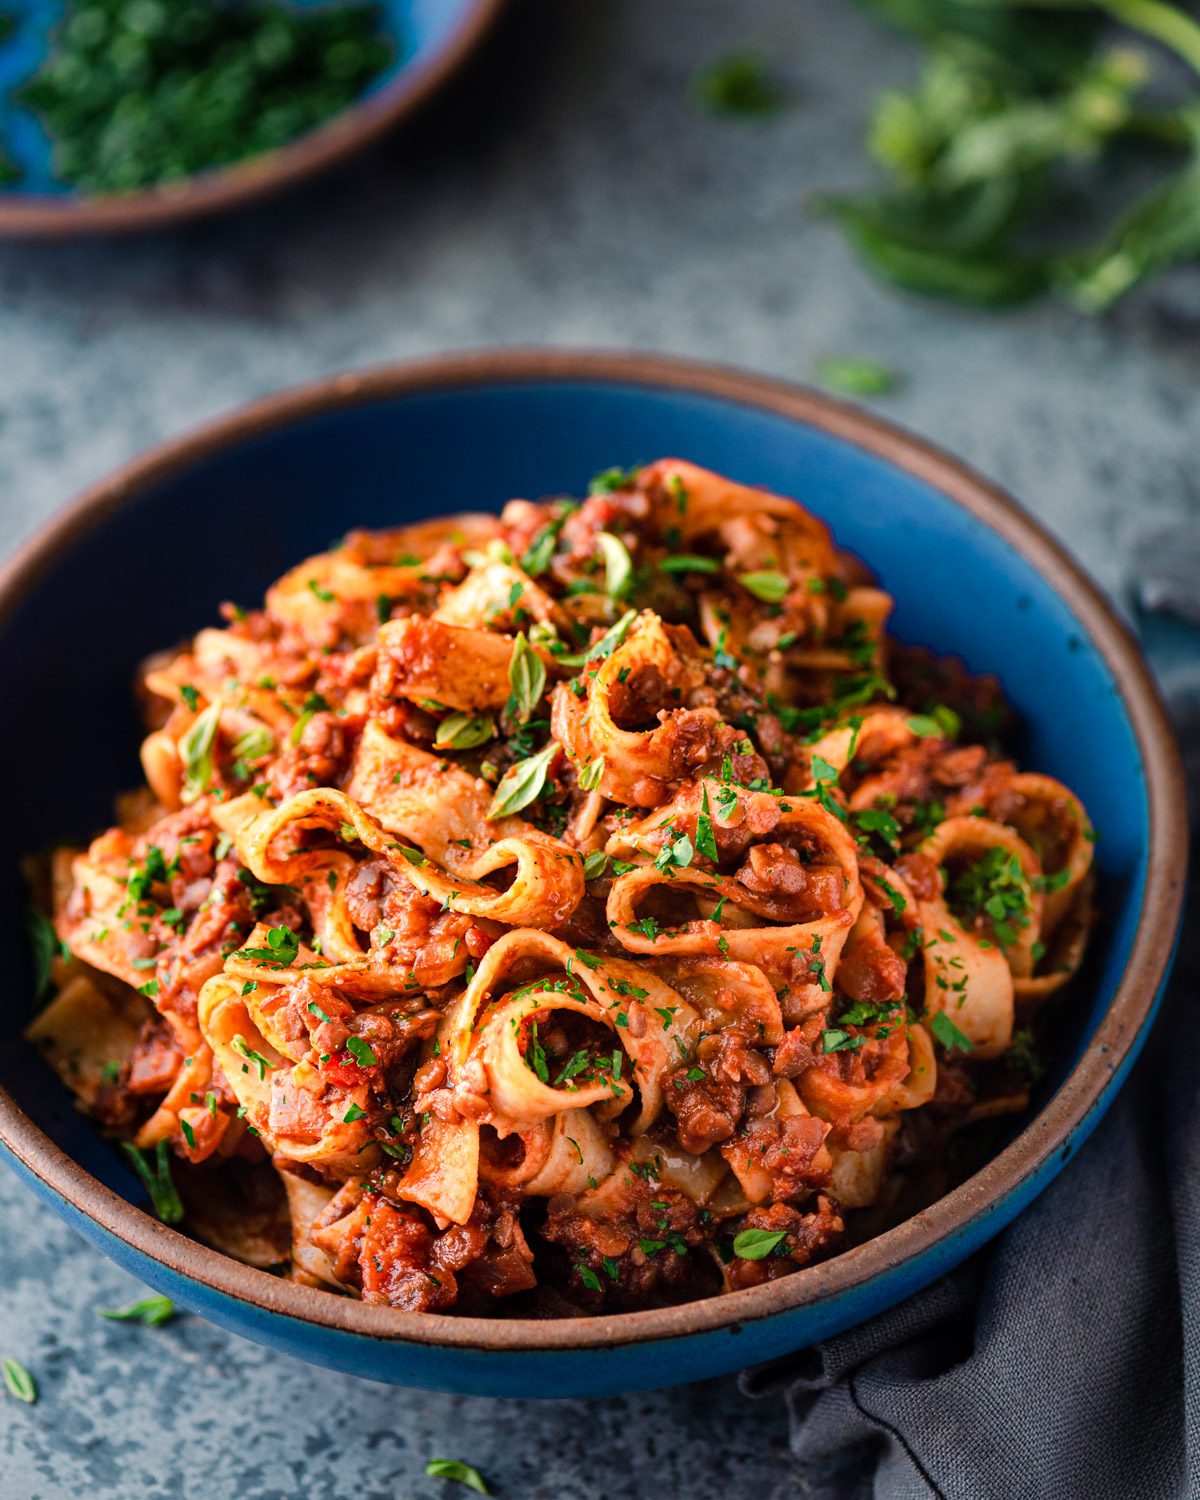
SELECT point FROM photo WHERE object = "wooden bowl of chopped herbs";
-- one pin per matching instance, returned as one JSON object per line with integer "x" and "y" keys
{"x": 122, "y": 115}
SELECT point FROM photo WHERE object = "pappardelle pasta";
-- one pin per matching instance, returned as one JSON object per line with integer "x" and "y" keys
{"x": 585, "y": 907}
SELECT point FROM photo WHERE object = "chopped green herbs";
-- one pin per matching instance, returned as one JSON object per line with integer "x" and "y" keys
{"x": 522, "y": 783}
{"x": 618, "y": 565}
{"x": 739, "y": 84}
{"x": 595, "y": 863}
{"x": 463, "y": 731}
{"x": 526, "y": 678}
{"x": 706, "y": 842}
{"x": 243, "y": 1049}
{"x": 535, "y": 1055}
{"x": 877, "y": 820}
{"x": 537, "y": 556}
{"x": 994, "y": 886}
{"x": 612, "y": 480}
{"x": 770, "y": 587}
{"x": 154, "y": 1169}
{"x": 675, "y": 853}
{"x": 136, "y": 92}
{"x": 689, "y": 563}
{"x": 255, "y": 744}
{"x": 856, "y": 376}
{"x": 196, "y": 747}
{"x": 948, "y": 1033}
{"x": 757, "y": 1244}
{"x": 153, "y": 1312}
{"x": 588, "y": 1277}
{"x": 591, "y": 774}
{"x": 1017, "y": 109}
{"x": 835, "y": 1039}
{"x": 606, "y": 645}
{"x": 451, "y": 1468}
{"x": 360, "y": 1050}
{"x": 281, "y": 951}
{"x": 46, "y": 947}
{"x": 940, "y": 723}
{"x": 18, "y": 1382}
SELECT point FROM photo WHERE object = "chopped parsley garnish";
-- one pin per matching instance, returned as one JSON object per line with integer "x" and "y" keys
{"x": 994, "y": 886}
{"x": 940, "y": 723}
{"x": 877, "y": 820}
{"x": 360, "y": 1050}
{"x": 757, "y": 1244}
{"x": 155, "y": 1173}
{"x": 706, "y": 842}
{"x": 647, "y": 926}
{"x": 535, "y": 1055}
{"x": 738, "y": 84}
{"x": 948, "y": 1033}
{"x": 283, "y": 947}
{"x": 611, "y": 480}
{"x": 686, "y": 562}
{"x": 196, "y": 747}
{"x": 526, "y": 678}
{"x": 835, "y": 1039}
{"x": 618, "y": 565}
{"x": 153, "y": 1312}
{"x": 588, "y": 1277}
{"x": 591, "y": 774}
{"x": 522, "y": 783}
{"x": 537, "y": 556}
{"x": 18, "y": 1382}
{"x": 605, "y": 646}
{"x": 243, "y": 1049}
{"x": 451, "y": 1468}
{"x": 463, "y": 731}
{"x": 856, "y": 376}
{"x": 46, "y": 948}
{"x": 677, "y": 852}
{"x": 770, "y": 587}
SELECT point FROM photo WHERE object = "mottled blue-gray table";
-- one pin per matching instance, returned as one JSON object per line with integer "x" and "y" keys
{"x": 565, "y": 191}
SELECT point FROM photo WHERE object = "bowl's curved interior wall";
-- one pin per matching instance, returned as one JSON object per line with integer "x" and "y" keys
{"x": 155, "y": 571}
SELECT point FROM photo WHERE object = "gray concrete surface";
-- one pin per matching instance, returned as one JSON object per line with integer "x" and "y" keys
{"x": 563, "y": 192}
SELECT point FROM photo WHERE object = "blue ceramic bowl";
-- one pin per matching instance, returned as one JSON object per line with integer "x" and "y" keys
{"x": 430, "y": 38}
{"x": 145, "y": 558}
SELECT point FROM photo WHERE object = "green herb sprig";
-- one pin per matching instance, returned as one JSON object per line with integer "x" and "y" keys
{"x": 1020, "y": 102}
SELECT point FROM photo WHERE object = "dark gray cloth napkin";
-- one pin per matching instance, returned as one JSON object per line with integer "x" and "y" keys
{"x": 1064, "y": 1360}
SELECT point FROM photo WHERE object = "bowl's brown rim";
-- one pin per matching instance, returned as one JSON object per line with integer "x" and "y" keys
{"x": 75, "y": 215}
{"x": 1046, "y": 1134}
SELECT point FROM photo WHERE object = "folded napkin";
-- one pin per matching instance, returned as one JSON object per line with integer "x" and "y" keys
{"x": 1062, "y": 1361}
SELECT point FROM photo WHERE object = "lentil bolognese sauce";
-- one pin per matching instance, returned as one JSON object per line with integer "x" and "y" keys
{"x": 589, "y": 899}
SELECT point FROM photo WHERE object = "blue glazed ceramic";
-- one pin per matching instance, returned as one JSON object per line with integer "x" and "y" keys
{"x": 429, "y": 37}
{"x": 144, "y": 560}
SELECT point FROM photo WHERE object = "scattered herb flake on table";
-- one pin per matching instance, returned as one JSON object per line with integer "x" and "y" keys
{"x": 738, "y": 83}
